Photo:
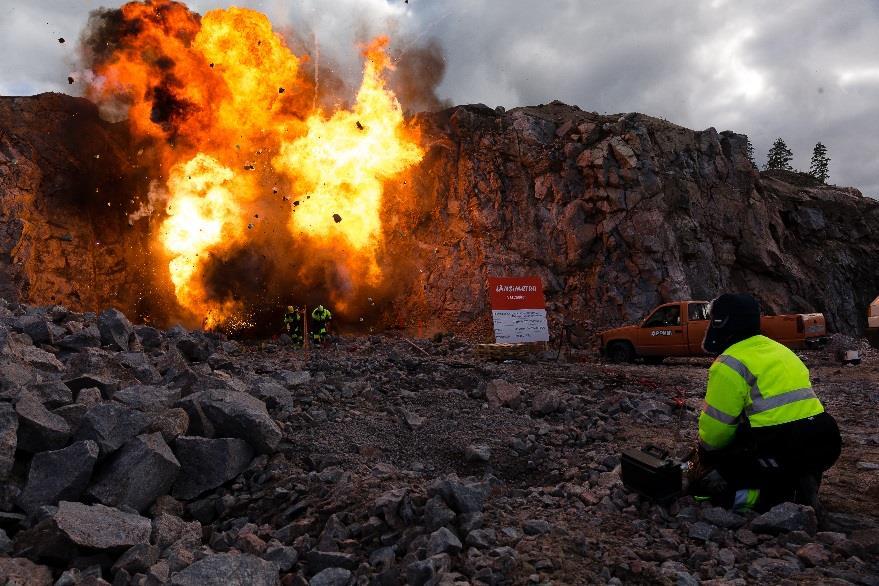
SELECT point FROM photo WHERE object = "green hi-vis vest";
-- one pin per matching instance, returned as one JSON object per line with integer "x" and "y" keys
{"x": 757, "y": 378}
{"x": 318, "y": 315}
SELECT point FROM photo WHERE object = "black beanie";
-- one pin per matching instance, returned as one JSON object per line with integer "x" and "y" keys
{"x": 734, "y": 317}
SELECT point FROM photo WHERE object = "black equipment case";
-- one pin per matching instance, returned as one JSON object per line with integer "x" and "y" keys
{"x": 652, "y": 473}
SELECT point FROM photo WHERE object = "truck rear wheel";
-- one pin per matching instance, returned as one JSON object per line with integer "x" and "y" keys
{"x": 620, "y": 352}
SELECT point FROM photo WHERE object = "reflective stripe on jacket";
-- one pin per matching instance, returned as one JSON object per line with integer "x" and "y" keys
{"x": 757, "y": 378}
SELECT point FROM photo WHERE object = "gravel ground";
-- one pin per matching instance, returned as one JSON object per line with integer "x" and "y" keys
{"x": 391, "y": 416}
{"x": 383, "y": 460}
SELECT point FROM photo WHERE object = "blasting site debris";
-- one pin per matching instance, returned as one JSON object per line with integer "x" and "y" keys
{"x": 274, "y": 311}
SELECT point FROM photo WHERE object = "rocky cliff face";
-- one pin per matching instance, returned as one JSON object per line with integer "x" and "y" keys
{"x": 615, "y": 213}
{"x": 619, "y": 213}
{"x": 66, "y": 179}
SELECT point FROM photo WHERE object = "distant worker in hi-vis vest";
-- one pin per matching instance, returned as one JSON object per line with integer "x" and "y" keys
{"x": 320, "y": 319}
{"x": 293, "y": 324}
{"x": 762, "y": 428}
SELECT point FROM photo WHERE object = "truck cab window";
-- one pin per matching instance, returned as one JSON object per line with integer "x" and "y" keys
{"x": 664, "y": 316}
{"x": 697, "y": 311}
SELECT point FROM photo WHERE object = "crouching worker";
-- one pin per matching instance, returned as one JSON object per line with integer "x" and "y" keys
{"x": 762, "y": 428}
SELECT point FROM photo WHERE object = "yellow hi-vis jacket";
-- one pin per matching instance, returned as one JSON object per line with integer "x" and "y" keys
{"x": 757, "y": 378}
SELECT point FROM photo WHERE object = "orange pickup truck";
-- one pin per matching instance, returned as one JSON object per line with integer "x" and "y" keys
{"x": 677, "y": 329}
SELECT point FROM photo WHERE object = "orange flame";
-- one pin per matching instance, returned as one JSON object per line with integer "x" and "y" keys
{"x": 234, "y": 108}
{"x": 341, "y": 162}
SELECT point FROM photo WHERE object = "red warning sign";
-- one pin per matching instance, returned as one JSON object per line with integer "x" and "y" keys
{"x": 518, "y": 309}
{"x": 516, "y": 293}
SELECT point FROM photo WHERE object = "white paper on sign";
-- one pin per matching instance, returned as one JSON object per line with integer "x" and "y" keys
{"x": 520, "y": 325}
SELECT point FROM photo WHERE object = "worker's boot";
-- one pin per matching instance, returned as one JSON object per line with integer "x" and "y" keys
{"x": 807, "y": 491}
{"x": 709, "y": 486}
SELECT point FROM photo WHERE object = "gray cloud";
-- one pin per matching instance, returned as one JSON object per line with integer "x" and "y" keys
{"x": 807, "y": 71}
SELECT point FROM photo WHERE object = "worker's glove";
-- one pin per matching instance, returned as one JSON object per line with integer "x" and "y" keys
{"x": 698, "y": 467}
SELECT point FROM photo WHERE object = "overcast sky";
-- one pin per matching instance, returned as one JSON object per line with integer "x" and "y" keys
{"x": 805, "y": 70}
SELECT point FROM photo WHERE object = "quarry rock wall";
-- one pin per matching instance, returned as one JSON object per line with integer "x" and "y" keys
{"x": 620, "y": 213}
{"x": 64, "y": 235}
{"x": 615, "y": 213}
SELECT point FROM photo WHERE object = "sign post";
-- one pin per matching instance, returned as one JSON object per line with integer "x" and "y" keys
{"x": 518, "y": 309}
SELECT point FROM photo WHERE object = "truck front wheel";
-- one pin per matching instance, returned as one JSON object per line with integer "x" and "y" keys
{"x": 620, "y": 352}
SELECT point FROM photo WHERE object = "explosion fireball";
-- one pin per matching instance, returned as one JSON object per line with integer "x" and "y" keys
{"x": 251, "y": 166}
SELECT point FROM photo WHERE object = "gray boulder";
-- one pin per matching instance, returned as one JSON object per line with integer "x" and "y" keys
{"x": 334, "y": 533}
{"x": 195, "y": 346}
{"x": 284, "y": 556}
{"x": 462, "y": 496}
{"x": 784, "y": 518}
{"x": 320, "y": 560}
{"x": 89, "y": 397}
{"x": 36, "y": 327}
{"x": 59, "y": 475}
{"x": 39, "y": 429}
{"x": 500, "y": 393}
{"x": 227, "y": 413}
{"x": 702, "y": 531}
{"x": 138, "y": 559}
{"x": 443, "y": 541}
{"x": 73, "y": 526}
{"x": 72, "y": 414}
{"x": 115, "y": 329}
{"x": 437, "y": 513}
{"x": 546, "y": 402}
{"x": 148, "y": 397}
{"x": 14, "y": 377}
{"x": 208, "y": 463}
{"x": 171, "y": 423}
{"x": 144, "y": 469}
{"x": 100, "y": 527}
{"x": 19, "y": 347}
{"x": 150, "y": 338}
{"x": 331, "y": 577}
{"x": 723, "y": 518}
{"x": 481, "y": 538}
{"x": 395, "y": 506}
{"x": 110, "y": 425}
{"x": 226, "y": 569}
{"x": 106, "y": 385}
{"x": 40, "y": 359}
{"x": 140, "y": 366}
{"x": 536, "y": 527}
{"x": 23, "y": 572}
{"x": 87, "y": 337}
{"x": 8, "y": 438}
{"x": 52, "y": 394}
{"x": 168, "y": 529}
{"x": 427, "y": 571}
